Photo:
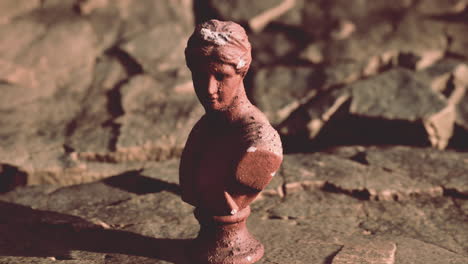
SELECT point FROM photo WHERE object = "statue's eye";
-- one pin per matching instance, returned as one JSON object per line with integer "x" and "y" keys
{"x": 219, "y": 76}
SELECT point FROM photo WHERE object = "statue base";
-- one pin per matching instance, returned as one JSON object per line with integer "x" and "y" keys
{"x": 224, "y": 240}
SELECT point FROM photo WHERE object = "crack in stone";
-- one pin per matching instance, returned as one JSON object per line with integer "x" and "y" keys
{"x": 114, "y": 97}
{"x": 366, "y": 194}
{"x": 454, "y": 193}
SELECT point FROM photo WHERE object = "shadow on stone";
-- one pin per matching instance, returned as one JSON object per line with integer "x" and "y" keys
{"x": 35, "y": 233}
{"x": 132, "y": 181}
{"x": 11, "y": 177}
{"x": 355, "y": 130}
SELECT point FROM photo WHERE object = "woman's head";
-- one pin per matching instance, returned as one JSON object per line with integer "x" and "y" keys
{"x": 219, "y": 41}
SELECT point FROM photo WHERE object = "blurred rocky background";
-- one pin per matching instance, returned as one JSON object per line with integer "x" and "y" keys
{"x": 370, "y": 98}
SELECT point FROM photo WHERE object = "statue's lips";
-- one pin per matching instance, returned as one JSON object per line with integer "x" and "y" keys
{"x": 212, "y": 99}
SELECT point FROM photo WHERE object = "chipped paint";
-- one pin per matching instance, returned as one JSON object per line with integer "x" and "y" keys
{"x": 218, "y": 38}
{"x": 240, "y": 64}
{"x": 252, "y": 149}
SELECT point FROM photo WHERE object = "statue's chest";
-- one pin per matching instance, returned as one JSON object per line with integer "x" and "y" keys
{"x": 218, "y": 156}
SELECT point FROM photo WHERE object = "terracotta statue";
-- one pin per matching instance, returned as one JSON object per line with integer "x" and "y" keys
{"x": 232, "y": 153}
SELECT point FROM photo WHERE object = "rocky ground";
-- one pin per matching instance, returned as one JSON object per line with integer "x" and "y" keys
{"x": 369, "y": 98}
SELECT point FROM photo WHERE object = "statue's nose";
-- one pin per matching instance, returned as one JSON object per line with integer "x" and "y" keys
{"x": 212, "y": 85}
{"x": 232, "y": 205}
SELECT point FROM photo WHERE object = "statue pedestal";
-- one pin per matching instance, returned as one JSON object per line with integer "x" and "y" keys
{"x": 224, "y": 240}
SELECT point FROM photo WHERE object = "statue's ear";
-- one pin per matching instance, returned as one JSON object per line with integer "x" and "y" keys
{"x": 256, "y": 168}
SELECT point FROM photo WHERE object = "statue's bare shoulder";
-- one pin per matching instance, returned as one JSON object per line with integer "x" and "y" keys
{"x": 261, "y": 153}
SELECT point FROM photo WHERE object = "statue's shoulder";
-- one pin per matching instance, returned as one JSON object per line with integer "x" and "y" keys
{"x": 257, "y": 133}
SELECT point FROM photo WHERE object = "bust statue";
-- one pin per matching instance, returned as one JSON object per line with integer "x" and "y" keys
{"x": 232, "y": 152}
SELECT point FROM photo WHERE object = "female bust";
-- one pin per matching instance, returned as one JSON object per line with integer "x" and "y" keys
{"x": 232, "y": 152}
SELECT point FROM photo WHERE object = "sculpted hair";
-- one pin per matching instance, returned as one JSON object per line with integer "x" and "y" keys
{"x": 223, "y": 41}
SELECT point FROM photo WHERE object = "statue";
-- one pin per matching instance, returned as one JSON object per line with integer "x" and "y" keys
{"x": 232, "y": 152}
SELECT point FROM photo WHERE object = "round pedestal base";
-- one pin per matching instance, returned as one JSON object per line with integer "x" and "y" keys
{"x": 224, "y": 240}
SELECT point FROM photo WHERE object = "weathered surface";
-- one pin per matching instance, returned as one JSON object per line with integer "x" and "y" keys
{"x": 64, "y": 71}
{"x": 398, "y": 95}
{"x": 372, "y": 252}
{"x": 139, "y": 217}
{"x": 68, "y": 71}
{"x": 280, "y": 90}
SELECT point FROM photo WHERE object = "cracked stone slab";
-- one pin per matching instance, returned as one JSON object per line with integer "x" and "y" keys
{"x": 248, "y": 11}
{"x": 438, "y": 221}
{"x": 90, "y": 131}
{"x": 280, "y": 90}
{"x": 147, "y": 102}
{"x": 378, "y": 173}
{"x": 368, "y": 252}
{"x": 442, "y": 168}
{"x": 139, "y": 217}
{"x": 12, "y": 8}
{"x": 167, "y": 56}
{"x": 396, "y": 95}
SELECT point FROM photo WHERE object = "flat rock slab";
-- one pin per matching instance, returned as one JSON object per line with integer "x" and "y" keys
{"x": 138, "y": 217}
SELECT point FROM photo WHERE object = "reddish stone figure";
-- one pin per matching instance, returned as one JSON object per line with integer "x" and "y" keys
{"x": 232, "y": 153}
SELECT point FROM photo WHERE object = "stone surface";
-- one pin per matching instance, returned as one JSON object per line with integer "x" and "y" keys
{"x": 280, "y": 90}
{"x": 63, "y": 78}
{"x": 138, "y": 216}
{"x": 89, "y": 90}
{"x": 12, "y": 8}
{"x": 114, "y": 39}
{"x": 378, "y": 173}
{"x": 371, "y": 252}
{"x": 397, "y": 96}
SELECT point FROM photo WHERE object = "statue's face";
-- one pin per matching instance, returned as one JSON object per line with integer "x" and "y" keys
{"x": 217, "y": 85}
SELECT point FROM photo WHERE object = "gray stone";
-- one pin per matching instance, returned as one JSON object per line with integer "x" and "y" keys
{"x": 442, "y": 168}
{"x": 91, "y": 131}
{"x": 395, "y": 94}
{"x": 280, "y": 90}
{"x": 147, "y": 102}
{"x": 459, "y": 40}
{"x": 462, "y": 112}
{"x": 246, "y": 11}
{"x": 11, "y": 8}
{"x": 371, "y": 252}
{"x": 137, "y": 216}
{"x": 346, "y": 175}
{"x": 286, "y": 43}
{"x": 168, "y": 55}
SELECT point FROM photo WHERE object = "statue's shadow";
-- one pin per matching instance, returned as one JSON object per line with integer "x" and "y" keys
{"x": 37, "y": 233}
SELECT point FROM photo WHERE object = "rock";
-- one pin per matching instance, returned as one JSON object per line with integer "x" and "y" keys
{"x": 12, "y": 8}
{"x": 378, "y": 252}
{"x": 462, "y": 112}
{"x": 259, "y": 14}
{"x": 394, "y": 95}
{"x": 428, "y": 7}
{"x": 88, "y": 222}
{"x": 147, "y": 102}
{"x": 415, "y": 251}
{"x": 439, "y": 168}
{"x": 353, "y": 177}
{"x": 279, "y": 90}
{"x": 167, "y": 56}
{"x": 91, "y": 130}
{"x": 258, "y": 22}
{"x": 459, "y": 39}
{"x": 287, "y": 43}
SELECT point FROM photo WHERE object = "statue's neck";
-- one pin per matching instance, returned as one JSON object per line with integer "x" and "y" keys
{"x": 235, "y": 112}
